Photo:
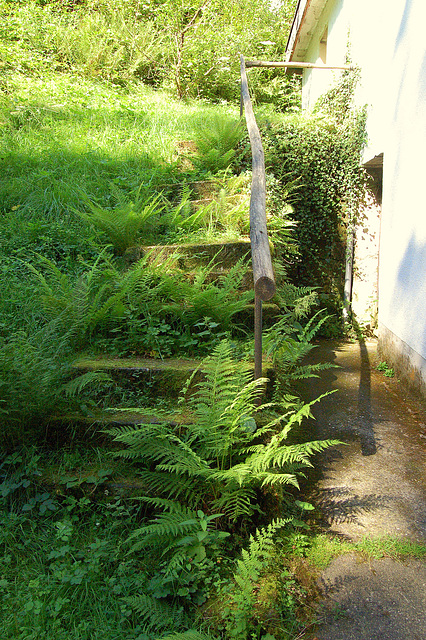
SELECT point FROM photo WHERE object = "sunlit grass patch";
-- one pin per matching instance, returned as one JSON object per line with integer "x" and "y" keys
{"x": 64, "y": 132}
{"x": 321, "y": 549}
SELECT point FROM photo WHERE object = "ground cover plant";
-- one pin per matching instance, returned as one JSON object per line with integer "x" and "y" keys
{"x": 146, "y": 567}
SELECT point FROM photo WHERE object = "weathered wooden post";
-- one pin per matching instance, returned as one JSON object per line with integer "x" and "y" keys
{"x": 263, "y": 275}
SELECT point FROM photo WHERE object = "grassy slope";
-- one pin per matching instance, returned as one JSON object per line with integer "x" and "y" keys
{"x": 63, "y": 135}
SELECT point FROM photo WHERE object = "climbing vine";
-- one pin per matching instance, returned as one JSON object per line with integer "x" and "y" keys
{"x": 322, "y": 152}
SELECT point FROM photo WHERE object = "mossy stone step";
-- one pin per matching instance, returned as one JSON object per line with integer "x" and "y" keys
{"x": 134, "y": 416}
{"x": 270, "y": 314}
{"x": 223, "y": 254}
{"x": 99, "y": 419}
{"x": 161, "y": 377}
{"x": 92, "y": 424}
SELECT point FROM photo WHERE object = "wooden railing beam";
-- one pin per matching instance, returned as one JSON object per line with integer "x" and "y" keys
{"x": 294, "y": 65}
{"x": 263, "y": 275}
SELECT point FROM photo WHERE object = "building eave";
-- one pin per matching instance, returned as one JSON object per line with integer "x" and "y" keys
{"x": 304, "y": 22}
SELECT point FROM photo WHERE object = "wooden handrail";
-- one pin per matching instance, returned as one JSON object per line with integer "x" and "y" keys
{"x": 263, "y": 275}
{"x": 295, "y": 65}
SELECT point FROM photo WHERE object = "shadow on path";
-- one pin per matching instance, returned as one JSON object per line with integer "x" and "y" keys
{"x": 374, "y": 483}
{"x": 365, "y": 418}
{"x": 346, "y": 415}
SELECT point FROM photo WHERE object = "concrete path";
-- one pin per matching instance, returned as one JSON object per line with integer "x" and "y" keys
{"x": 374, "y": 485}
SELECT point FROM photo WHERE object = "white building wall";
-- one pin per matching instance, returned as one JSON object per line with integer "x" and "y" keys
{"x": 387, "y": 41}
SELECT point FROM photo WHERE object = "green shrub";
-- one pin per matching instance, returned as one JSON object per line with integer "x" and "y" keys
{"x": 150, "y": 309}
{"x": 316, "y": 153}
{"x": 123, "y": 225}
{"x": 217, "y": 143}
{"x": 311, "y": 151}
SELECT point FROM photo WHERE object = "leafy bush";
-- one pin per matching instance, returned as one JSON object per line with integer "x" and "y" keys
{"x": 151, "y": 308}
{"x": 311, "y": 151}
{"x": 321, "y": 154}
{"x": 123, "y": 224}
{"x": 217, "y": 142}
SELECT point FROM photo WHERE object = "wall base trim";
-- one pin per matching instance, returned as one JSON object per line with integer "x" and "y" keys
{"x": 409, "y": 366}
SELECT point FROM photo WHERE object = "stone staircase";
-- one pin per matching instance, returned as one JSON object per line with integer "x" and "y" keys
{"x": 160, "y": 381}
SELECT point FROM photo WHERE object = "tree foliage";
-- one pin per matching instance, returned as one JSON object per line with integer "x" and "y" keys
{"x": 190, "y": 46}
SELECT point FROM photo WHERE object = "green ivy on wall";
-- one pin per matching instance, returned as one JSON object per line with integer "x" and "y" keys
{"x": 322, "y": 151}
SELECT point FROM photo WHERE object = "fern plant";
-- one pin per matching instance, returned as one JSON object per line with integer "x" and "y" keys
{"x": 123, "y": 225}
{"x": 219, "y": 300}
{"x": 151, "y": 307}
{"x": 181, "y": 544}
{"x": 289, "y": 340}
{"x": 225, "y": 458}
{"x": 36, "y": 384}
{"x": 203, "y": 478}
{"x": 167, "y": 314}
{"x": 99, "y": 296}
{"x": 217, "y": 142}
{"x": 236, "y": 610}
{"x": 81, "y": 304}
{"x": 240, "y": 612}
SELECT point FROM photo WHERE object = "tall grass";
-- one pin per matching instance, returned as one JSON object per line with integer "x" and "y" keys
{"x": 61, "y": 133}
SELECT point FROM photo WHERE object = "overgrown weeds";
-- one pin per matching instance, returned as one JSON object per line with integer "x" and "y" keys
{"x": 203, "y": 484}
{"x": 81, "y": 134}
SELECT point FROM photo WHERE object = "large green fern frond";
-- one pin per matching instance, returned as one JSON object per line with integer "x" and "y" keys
{"x": 222, "y": 381}
{"x": 236, "y": 503}
{"x": 190, "y": 634}
{"x": 216, "y": 142}
{"x": 123, "y": 224}
{"x": 172, "y": 485}
{"x": 260, "y": 549}
{"x": 156, "y": 616}
{"x": 78, "y": 384}
{"x": 159, "y": 443}
{"x": 166, "y": 526}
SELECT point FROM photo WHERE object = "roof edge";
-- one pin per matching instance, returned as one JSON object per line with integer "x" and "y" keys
{"x": 302, "y": 9}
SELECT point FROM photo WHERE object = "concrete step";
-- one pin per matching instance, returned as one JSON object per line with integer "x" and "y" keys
{"x": 161, "y": 377}
{"x": 219, "y": 254}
